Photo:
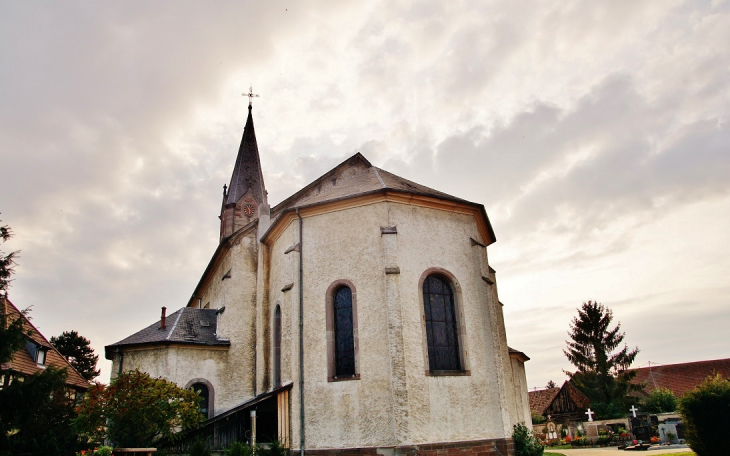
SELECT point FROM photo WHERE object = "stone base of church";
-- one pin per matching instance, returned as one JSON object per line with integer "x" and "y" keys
{"x": 492, "y": 447}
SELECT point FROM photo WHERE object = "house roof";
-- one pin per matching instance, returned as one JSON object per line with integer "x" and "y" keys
{"x": 541, "y": 399}
{"x": 518, "y": 354}
{"x": 188, "y": 325}
{"x": 22, "y": 362}
{"x": 680, "y": 378}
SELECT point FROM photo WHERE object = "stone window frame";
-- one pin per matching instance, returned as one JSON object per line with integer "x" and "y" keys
{"x": 330, "y": 313}
{"x": 274, "y": 358}
{"x": 460, "y": 324}
{"x": 211, "y": 394}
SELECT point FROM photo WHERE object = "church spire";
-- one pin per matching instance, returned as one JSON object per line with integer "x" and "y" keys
{"x": 247, "y": 174}
{"x": 246, "y": 193}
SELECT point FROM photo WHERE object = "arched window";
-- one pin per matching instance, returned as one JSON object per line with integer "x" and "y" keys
{"x": 344, "y": 340}
{"x": 342, "y": 331}
{"x": 202, "y": 390}
{"x": 441, "y": 325}
{"x": 277, "y": 346}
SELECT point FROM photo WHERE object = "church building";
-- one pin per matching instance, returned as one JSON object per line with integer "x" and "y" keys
{"x": 358, "y": 316}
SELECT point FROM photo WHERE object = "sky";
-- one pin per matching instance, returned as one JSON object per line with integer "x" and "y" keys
{"x": 595, "y": 133}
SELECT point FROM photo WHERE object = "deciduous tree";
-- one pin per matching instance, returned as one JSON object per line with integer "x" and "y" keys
{"x": 138, "y": 410}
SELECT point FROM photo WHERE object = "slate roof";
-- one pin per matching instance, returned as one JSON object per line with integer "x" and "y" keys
{"x": 354, "y": 177}
{"x": 541, "y": 399}
{"x": 247, "y": 172}
{"x": 680, "y": 378}
{"x": 188, "y": 325}
{"x": 368, "y": 180}
{"x": 22, "y": 362}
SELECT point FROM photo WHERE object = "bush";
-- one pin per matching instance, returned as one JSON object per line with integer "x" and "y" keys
{"x": 239, "y": 449}
{"x": 706, "y": 415}
{"x": 526, "y": 444}
{"x": 660, "y": 400}
{"x": 274, "y": 449}
{"x": 199, "y": 448}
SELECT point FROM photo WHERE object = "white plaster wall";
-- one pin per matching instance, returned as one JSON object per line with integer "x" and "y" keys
{"x": 180, "y": 364}
{"x": 457, "y": 407}
{"x": 375, "y": 411}
{"x": 520, "y": 393}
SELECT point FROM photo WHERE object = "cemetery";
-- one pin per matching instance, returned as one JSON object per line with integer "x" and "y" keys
{"x": 637, "y": 431}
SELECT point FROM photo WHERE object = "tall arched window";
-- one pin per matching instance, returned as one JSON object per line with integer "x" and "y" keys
{"x": 441, "y": 325}
{"x": 202, "y": 390}
{"x": 342, "y": 343}
{"x": 277, "y": 346}
{"x": 344, "y": 337}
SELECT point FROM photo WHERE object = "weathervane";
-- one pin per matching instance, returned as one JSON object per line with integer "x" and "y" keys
{"x": 250, "y": 95}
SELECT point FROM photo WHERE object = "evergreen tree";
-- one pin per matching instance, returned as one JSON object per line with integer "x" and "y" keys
{"x": 550, "y": 384}
{"x": 7, "y": 261}
{"x": 77, "y": 350}
{"x": 35, "y": 414}
{"x": 602, "y": 370}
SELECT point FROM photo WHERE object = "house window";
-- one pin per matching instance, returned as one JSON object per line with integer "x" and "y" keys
{"x": 277, "y": 346}
{"x": 202, "y": 390}
{"x": 342, "y": 343}
{"x": 442, "y": 335}
{"x": 41, "y": 357}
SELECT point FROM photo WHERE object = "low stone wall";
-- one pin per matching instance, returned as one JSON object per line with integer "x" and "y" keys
{"x": 492, "y": 447}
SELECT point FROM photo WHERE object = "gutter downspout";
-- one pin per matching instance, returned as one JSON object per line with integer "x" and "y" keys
{"x": 301, "y": 339}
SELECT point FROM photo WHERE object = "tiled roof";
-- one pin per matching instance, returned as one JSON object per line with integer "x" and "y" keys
{"x": 541, "y": 399}
{"x": 188, "y": 325}
{"x": 680, "y": 378}
{"x": 22, "y": 361}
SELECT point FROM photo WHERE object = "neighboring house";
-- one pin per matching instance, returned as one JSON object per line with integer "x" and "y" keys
{"x": 680, "y": 378}
{"x": 563, "y": 404}
{"x": 358, "y": 315}
{"x": 36, "y": 356}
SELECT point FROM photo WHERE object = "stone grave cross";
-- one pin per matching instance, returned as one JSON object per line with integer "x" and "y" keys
{"x": 590, "y": 415}
{"x": 634, "y": 410}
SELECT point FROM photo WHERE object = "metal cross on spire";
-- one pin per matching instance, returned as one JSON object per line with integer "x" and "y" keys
{"x": 250, "y": 95}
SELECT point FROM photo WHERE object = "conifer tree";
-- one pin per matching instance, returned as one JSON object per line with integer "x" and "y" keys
{"x": 602, "y": 368}
{"x": 77, "y": 350}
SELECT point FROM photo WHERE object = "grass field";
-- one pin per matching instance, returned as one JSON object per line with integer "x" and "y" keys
{"x": 653, "y": 453}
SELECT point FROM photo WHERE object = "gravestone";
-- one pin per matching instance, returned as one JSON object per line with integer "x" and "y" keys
{"x": 641, "y": 427}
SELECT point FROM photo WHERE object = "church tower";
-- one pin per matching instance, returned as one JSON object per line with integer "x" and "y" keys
{"x": 244, "y": 200}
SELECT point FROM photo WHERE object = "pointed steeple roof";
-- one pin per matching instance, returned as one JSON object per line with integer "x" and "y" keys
{"x": 247, "y": 171}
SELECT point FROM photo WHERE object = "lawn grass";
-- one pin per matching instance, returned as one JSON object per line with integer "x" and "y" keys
{"x": 684, "y": 453}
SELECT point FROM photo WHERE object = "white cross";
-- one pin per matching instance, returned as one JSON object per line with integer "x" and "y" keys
{"x": 590, "y": 415}
{"x": 634, "y": 410}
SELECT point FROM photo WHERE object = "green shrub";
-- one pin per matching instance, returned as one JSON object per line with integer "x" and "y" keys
{"x": 526, "y": 444}
{"x": 239, "y": 449}
{"x": 537, "y": 418}
{"x": 660, "y": 400}
{"x": 706, "y": 415}
{"x": 103, "y": 451}
{"x": 199, "y": 448}
{"x": 274, "y": 449}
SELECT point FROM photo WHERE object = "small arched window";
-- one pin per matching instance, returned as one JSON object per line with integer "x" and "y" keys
{"x": 203, "y": 392}
{"x": 344, "y": 337}
{"x": 277, "y": 346}
{"x": 441, "y": 325}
